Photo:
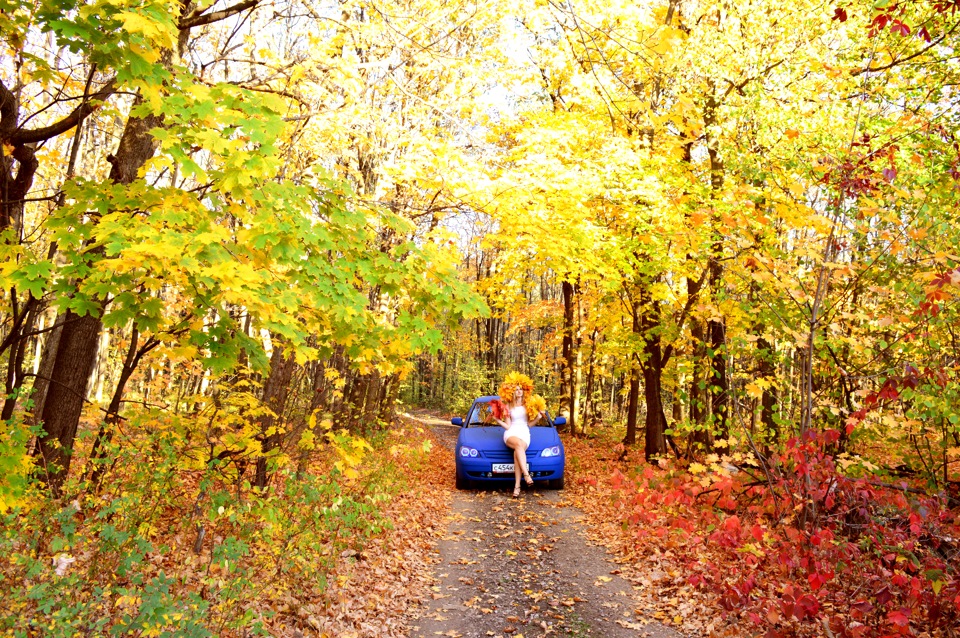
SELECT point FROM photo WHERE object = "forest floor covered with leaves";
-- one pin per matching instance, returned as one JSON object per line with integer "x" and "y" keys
{"x": 656, "y": 569}
{"x": 708, "y": 552}
{"x": 385, "y": 545}
{"x": 583, "y": 562}
{"x": 340, "y": 548}
{"x": 524, "y": 567}
{"x": 480, "y": 563}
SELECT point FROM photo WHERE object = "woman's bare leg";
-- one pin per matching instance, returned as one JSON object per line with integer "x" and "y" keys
{"x": 519, "y": 447}
{"x": 516, "y": 475}
{"x": 520, "y": 452}
{"x": 516, "y": 445}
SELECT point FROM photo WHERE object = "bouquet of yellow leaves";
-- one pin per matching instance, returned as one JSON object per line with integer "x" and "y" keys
{"x": 535, "y": 404}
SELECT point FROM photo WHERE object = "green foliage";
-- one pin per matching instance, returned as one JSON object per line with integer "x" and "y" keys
{"x": 469, "y": 384}
{"x": 124, "y": 561}
{"x": 16, "y": 464}
{"x": 462, "y": 383}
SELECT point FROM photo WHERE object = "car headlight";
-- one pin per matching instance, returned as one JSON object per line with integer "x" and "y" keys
{"x": 551, "y": 451}
{"x": 468, "y": 451}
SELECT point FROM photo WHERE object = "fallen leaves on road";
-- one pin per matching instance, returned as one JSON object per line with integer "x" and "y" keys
{"x": 371, "y": 593}
{"x": 647, "y": 558}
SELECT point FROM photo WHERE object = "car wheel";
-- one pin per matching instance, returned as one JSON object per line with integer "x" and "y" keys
{"x": 463, "y": 483}
{"x": 556, "y": 484}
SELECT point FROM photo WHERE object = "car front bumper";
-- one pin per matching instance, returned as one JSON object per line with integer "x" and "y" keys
{"x": 480, "y": 469}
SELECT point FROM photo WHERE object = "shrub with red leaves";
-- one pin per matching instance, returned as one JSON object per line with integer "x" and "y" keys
{"x": 807, "y": 547}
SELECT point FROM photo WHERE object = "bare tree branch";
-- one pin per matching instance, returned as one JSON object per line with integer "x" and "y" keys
{"x": 899, "y": 61}
{"x": 32, "y": 136}
{"x": 198, "y": 19}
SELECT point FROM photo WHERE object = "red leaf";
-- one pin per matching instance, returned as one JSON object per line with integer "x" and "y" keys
{"x": 915, "y": 524}
{"x": 732, "y": 524}
{"x": 810, "y": 605}
{"x": 857, "y": 630}
{"x": 900, "y": 617}
{"x": 839, "y": 14}
{"x": 899, "y": 27}
{"x": 798, "y": 612}
{"x": 883, "y": 596}
{"x": 879, "y": 23}
{"x": 816, "y": 581}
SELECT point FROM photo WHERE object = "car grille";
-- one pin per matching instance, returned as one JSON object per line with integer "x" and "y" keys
{"x": 506, "y": 455}
{"x": 503, "y": 477}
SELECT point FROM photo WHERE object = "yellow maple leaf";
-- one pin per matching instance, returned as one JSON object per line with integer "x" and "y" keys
{"x": 754, "y": 390}
{"x": 159, "y": 33}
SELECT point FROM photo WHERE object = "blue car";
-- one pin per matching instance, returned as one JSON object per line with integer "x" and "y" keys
{"x": 483, "y": 457}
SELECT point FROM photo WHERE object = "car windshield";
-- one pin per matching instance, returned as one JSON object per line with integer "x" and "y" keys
{"x": 481, "y": 415}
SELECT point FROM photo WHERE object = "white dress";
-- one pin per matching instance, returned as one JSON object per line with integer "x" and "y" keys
{"x": 518, "y": 425}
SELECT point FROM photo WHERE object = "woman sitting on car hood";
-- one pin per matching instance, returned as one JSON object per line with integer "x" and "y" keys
{"x": 517, "y": 407}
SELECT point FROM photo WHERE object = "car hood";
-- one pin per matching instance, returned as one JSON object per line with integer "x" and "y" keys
{"x": 486, "y": 438}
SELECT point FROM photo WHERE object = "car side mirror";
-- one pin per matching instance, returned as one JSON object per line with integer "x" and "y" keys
{"x": 457, "y": 421}
{"x": 560, "y": 420}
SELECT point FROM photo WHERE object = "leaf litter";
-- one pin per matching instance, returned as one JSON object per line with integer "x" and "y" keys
{"x": 509, "y": 567}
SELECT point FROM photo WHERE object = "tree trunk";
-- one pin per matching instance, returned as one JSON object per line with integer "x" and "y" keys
{"x": 100, "y": 371}
{"x": 719, "y": 383}
{"x": 318, "y": 398}
{"x": 567, "y": 362}
{"x": 275, "y": 392}
{"x": 371, "y": 402}
{"x": 76, "y": 355}
{"x": 768, "y": 400}
{"x": 702, "y": 436}
{"x": 18, "y": 353}
{"x": 676, "y": 407}
{"x": 655, "y": 443}
{"x": 632, "y": 406}
{"x": 41, "y": 384}
{"x": 631, "y": 436}
{"x": 588, "y": 404}
{"x": 716, "y": 330}
{"x": 385, "y": 399}
{"x": 14, "y": 188}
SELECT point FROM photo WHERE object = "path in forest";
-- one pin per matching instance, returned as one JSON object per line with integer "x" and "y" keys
{"x": 524, "y": 567}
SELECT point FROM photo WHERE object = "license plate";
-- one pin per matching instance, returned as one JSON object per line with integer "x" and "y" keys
{"x": 502, "y": 468}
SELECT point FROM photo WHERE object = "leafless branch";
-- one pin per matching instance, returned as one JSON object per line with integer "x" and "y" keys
{"x": 32, "y": 136}
{"x": 198, "y": 19}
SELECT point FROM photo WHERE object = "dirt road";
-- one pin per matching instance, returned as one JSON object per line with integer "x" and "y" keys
{"x": 524, "y": 567}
